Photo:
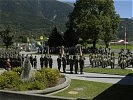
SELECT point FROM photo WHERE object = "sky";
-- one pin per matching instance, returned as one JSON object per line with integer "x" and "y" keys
{"x": 123, "y": 7}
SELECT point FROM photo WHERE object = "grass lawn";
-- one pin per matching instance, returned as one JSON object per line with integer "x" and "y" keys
{"x": 109, "y": 71}
{"x": 87, "y": 89}
{"x": 96, "y": 91}
{"x": 114, "y": 46}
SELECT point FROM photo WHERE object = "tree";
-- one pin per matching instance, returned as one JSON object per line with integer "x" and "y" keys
{"x": 88, "y": 16}
{"x": 70, "y": 37}
{"x": 55, "y": 39}
{"x": 7, "y": 37}
{"x": 110, "y": 29}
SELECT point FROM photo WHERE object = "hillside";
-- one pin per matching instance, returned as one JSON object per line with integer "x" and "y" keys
{"x": 34, "y": 16}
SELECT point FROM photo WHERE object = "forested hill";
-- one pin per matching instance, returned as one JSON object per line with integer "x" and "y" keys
{"x": 34, "y": 16}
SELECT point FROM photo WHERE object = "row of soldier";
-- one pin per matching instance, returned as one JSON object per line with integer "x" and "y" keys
{"x": 72, "y": 61}
{"x": 125, "y": 59}
{"x": 107, "y": 58}
{"x": 12, "y": 55}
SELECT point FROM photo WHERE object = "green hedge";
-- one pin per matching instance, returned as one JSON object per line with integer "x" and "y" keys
{"x": 44, "y": 78}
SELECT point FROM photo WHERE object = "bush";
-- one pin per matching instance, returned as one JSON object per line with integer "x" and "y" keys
{"x": 18, "y": 70}
{"x": 31, "y": 85}
{"x": 52, "y": 76}
{"x": 9, "y": 80}
{"x": 45, "y": 77}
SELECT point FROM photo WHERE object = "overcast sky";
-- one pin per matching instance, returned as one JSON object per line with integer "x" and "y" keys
{"x": 123, "y": 7}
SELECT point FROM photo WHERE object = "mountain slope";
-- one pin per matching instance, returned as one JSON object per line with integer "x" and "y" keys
{"x": 38, "y": 16}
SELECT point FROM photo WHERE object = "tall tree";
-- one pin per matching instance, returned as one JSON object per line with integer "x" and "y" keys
{"x": 7, "y": 36}
{"x": 88, "y": 18}
{"x": 70, "y": 37}
{"x": 55, "y": 39}
{"x": 110, "y": 21}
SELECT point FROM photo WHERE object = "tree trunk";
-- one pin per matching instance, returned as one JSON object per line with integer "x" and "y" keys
{"x": 94, "y": 43}
{"x": 6, "y": 47}
{"x": 107, "y": 44}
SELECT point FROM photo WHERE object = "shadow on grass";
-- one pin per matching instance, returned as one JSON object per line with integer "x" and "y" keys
{"x": 123, "y": 90}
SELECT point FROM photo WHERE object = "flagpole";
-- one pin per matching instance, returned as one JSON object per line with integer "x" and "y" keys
{"x": 125, "y": 38}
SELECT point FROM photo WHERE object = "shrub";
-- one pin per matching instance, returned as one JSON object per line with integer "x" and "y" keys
{"x": 9, "y": 80}
{"x": 45, "y": 77}
{"x": 18, "y": 70}
{"x": 52, "y": 76}
{"x": 31, "y": 85}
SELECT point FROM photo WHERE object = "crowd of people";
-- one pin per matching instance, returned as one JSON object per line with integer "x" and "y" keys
{"x": 73, "y": 61}
{"x": 9, "y": 58}
{"x": 100, "y": 57}
{"x": 105, "y": 57}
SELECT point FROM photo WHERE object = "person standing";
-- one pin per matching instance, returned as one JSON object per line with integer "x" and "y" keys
{"x": 64, "y": 64}
{"x": 31, "y": 60}
{"x": 76, "y": 61}
{"x": 59, "y": 62}
{"x": 41, "y": 61}
{"x": 35, "y": 62}
{"x": 50, "y": 62}
{"x": 8, "y": 65}
{"x": 71, "y": 65}
{"x": 81, "y": 64}
{"x": 46, "y": 61}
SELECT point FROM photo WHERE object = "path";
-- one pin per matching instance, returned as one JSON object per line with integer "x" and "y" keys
{"x": 105, "y": 78}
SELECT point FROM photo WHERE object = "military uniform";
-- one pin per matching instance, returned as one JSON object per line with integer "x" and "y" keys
{"x": 76, "y": 61}
{"x": 64, "y": 64}
{"x": 41, "y": 61}
{"x": 81, "y": 64}
{"x": 71, "y": 64}
{"x": 50, "y": 62}
{"x": 59, "y": 62}
{"x": 46, "y": 61}
{"x": 35, "y": 62}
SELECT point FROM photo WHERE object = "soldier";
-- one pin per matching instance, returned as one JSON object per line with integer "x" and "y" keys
{"x": 31, "y": 60}
{"x": 123, "y": 62}
{"x": 112, "y": 60}
{"x": 76, "y": 61}
{"x": 71, "y": 65}
{"x": 67, "y": 58}
{"x": 19, "y": 60}
{"x": 35, "y": 62}
{"x": 41, "y": 61}
{"x": 59, "y": 62}
{"x": 81, "y": 64}
{"x": 64, "y": 64}
{"x": 46, "y": 61}
{"x": 131, "y": 60}
{"x": 50, "y": 62}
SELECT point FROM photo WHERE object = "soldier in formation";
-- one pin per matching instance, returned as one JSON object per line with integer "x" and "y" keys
{"x": 105, "y": 58}
{"x": 14, "y": 57}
